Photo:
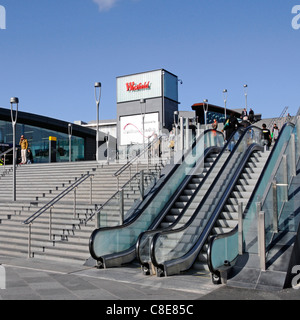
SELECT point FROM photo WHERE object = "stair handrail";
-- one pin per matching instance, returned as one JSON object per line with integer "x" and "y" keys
{"x": 135, "y": 158}
{"x": 6, "y": 152}
{"x": 52, "y": 202}
{"x": 98, "y": 210}
{"x": 274, "y": 120}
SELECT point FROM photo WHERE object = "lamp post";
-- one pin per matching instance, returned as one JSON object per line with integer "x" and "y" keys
{"x": 143, "y": 112}
{"x": 14, "y": 122}
{"x": 97, "y": 97}
{"x": 205, "y": 108}
{"x": 176, "y": 119}
{"x": 246, "y": 93}
{"x": 225, "y": 93}
{"x": 70, "y": 141}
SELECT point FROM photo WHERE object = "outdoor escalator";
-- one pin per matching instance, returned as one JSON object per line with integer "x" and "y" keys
{"x": 175, "y": 250}
{"x": 269, "y": 243}
{"x": 115, "y": 246}
{"x": 212, "y": 165}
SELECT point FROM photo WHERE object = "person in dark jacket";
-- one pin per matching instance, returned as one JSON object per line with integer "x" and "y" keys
{"x": 230, "y": 126}
{"x": 29, "y": 156}
{"x": 266, "y": 136}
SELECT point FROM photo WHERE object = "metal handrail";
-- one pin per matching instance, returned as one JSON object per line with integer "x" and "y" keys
{"x": 52, "y": 202}
{"x": 6, "y": 152}
{"x": 112, "y": 197}
{"x": 132, "y": 160}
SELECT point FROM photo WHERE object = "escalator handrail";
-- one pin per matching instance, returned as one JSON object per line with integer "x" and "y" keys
{"x": 235, "y": 230}
{"x": 155, "y": 238}
{"x": 148, "y": 199}
{"x": 173, "y": 225}
{"x": 199, "y": 243}
{"x": 167, "y": 209}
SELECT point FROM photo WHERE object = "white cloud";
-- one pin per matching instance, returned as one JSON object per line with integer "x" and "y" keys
{"x": 105, "y": 5}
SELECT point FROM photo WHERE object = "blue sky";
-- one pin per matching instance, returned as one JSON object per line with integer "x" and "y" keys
{"x": 52, "y": 52}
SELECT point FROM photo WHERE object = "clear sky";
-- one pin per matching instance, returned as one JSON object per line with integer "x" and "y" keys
{"x": 52, "y": 52}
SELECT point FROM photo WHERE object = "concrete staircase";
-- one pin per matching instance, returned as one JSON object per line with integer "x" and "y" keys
{"x": 68, "y": 237}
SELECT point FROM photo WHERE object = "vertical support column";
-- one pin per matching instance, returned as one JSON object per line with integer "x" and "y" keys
{"x": 75, "y": 202}
{"x": 91, "y": 189}
{"x": 262, "y": 240}
{"x": 121, "y": 204}
{"x": 29, "y": 240}
{"x": 50, "y": 223}
{"x": 98, "y": 223}
{"x": 187, "y": 134}
{"x": 142, "y": 187}
{"x": 275, "y": 206}
{"x": 258, "y": 209}
{"x": 181, "y": 135}
{"x": 285, "y": 178}
{"x": 293, "y": 155}
{"x": 240, "y": 228}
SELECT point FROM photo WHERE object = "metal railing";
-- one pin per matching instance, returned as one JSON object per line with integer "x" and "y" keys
{"x": 4, "y": 154}
{"x": 142, "y": 180}
{"x": 135, "y": 160}
{"x": 50, "y": 205}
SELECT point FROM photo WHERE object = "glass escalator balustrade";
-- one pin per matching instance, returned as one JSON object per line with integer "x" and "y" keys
{"x": 279, "y": 172}
{"x": 114, "y": 240}
{"x": 177, "y": 243}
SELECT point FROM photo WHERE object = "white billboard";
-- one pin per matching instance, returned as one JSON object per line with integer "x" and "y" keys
{"x": 132, "y": 130}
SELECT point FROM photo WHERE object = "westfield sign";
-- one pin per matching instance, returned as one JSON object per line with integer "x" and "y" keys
{"x": 132, "y": 86}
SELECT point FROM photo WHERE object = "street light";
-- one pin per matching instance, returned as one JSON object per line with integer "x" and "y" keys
{"x": 225, "y": 93}
{"x": 97, "y": 87}
{"x": 70, "y": 141}
{"x": 246, "y": 92}
{"x": 143, "y": 112}
{"x": 176, "y": 120}
{"x": 14, "y": 101}
{"x": 205, "y": 108}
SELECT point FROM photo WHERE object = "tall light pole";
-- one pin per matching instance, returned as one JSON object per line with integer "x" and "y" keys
{"x": 70, "y": 141}
{"x": 97, "y": 97}
{"x": 225, "y": 93}
{"x": 176, "y": 120}
{"x": 14, "y": 122}
{"x": 205, "y": 108}
{"x": 143, "y": 113}
{"x": 246, "y": 94}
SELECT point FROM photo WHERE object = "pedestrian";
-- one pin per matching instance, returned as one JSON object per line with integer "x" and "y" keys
{"x": 230, "y": 126}
{"x": 244, "y": 114}
{"x": 275, "y": 132}
{"x": 24, "y": 146}
{"x": 214, "y": 125}
{"x": 266, "y": 136}
{"x": 172, "y": 139}
{"x": 29, "y": 157}
{"x": 156, "y": 145}
{"x": 2, "y": 161}
{"x": 251, "y": 115}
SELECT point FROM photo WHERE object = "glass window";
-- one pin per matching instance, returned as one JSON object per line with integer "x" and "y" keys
{"x": 38, "y": 140}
